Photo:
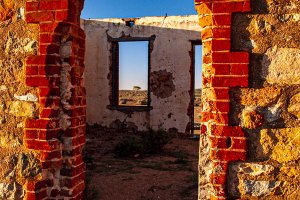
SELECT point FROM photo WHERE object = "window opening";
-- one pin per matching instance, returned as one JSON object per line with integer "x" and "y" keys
{"x": 131, "y": 70}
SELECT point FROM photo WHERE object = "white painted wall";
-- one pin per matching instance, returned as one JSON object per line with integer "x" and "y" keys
{"x": 171, "y": 52}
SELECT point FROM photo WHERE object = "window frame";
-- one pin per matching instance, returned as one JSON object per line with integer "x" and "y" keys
{"x": 115, "y": 66}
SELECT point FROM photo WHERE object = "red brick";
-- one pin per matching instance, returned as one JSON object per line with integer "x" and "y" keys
{"x": 49, "y": 102}
{"x": 36, "y": 195}
{"x": 239, "y": 69}
{"x": 227, "y": 7}
{"x": 54, "y": 164}
{"x": 221, "y": 45}
{"x": 35, "y": 17}
{"x": 49, "y": 38}
{"x": 229, "y": 81}
{"x": 50, "y": 70}
{"x": 221, "y": 69}
{"x": 203, "y": 129}
{"x": 77, "y": 111}
{"x": 48, "y": 113}
{"x": 49, "y": 49}
{"x": 220, "y": 118}
{"x": 227, "y": 155}
{"x": 34, "y": 81}
{"x": 43, "y": 60}
{"x": 73, "y": 171}
{"x": 238, "y": 143}
{"x": 221, "y": 93}
{"x": 219, "y": 179}
{"x": 74, "y": 152}
{"x": 72, "y": 132}
{"x": 53, "y": 5}
{"x": 62, "y": 15}
{"x": 31, "y": 134}
{"x": 222, "y": 20}
{"x": 218, "y": 142}
{"x": 32, "y": 6}
{"x": 41, "y": 123}
{"x": 31, "y": 70}
{"x": 77, "y": 121}
{"x": 232, "y": 131}
{"x": 49, "y": 92}
{"x": 42, "y": 145}
{"x": 50, "y": 27}
{"x": 247, "y": 6}
{"x": 230, "y": 57}
{"x": 48, "y": 134}
{"x": 38, "y": 185}
{"x": 47, "y": 156}
{"x": 221, "y": 32}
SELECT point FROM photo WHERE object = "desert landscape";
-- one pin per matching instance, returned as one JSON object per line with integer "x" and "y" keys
{"x": 133, "y": 97}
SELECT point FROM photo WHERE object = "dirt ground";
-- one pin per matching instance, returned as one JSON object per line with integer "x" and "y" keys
{"x": 168, "y": 175}
{"x": 133, "y": 98}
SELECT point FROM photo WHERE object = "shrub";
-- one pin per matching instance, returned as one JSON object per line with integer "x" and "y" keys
{"x": 147, "y": 142}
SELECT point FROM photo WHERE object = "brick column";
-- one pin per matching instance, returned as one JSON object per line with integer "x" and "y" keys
{"x": 222, "y": 70}
{"x": 58, "y": 134}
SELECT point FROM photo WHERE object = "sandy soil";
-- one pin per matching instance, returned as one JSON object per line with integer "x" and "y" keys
{"x": 133, "y": 98}
{"x": 168, "y": 175}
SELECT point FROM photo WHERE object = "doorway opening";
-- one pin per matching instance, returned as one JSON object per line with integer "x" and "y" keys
{"x": 132, "y": 146}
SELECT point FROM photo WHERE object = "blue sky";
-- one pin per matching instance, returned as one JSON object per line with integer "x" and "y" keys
{"x": 131, "y": 73}
{"x": 136, "y": 8}
{"x": 133, "y": 69}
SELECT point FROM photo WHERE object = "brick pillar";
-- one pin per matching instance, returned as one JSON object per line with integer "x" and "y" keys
{"x": 222, "y": 70}
{"x": 58, "y": 134}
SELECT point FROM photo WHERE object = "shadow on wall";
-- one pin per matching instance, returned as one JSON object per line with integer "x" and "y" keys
{"x": 271, "y": 27}
{"x": 59, "y": 69}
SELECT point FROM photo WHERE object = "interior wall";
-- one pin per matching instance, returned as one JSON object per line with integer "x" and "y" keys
{"x": 169, "y": 76}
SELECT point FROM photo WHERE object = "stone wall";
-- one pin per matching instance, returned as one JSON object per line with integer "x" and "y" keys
{"x": 266, "y": 110}
{"x": 269, "y": 110}
{"x": 42, "y": 99}
{"x": 249, "y": 145}
{"x": 170, "y": 71}
{"x": 18, "y": 164}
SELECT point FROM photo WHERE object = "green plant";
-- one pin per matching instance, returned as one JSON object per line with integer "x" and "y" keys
{"x": 181, "y": 157}
{"x": 129, "y": 147}
{"x": 136, "y": 88}
{"x": 147, "y": 142}
{"x": 154, "y": 141}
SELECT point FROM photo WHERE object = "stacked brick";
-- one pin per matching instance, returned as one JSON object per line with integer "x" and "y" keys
{"x": 58, "y": 134}
{"x": 222, "y": 70}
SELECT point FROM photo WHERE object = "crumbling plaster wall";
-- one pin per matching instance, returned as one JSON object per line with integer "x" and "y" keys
{"x": 170, "y": 55}
{"x": 269, "y": 110}
{"x": 17, "y": 102}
